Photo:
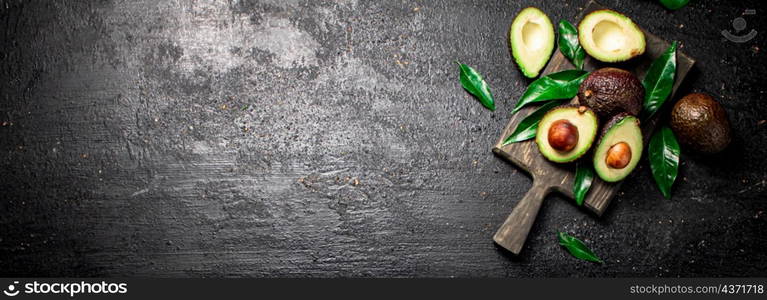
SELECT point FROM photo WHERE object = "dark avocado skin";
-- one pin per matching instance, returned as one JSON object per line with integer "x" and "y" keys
{"x": 609, "y": 91}
{"x": 701, "y": 123}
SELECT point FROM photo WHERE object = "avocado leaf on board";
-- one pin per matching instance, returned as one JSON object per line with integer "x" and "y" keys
{"x": 560, "y": 85}
{"x": 569, "y": 45}
{"x": 659, "y": 81}
{"x": 527, "y": 127}
{"x": 584, "y": 176}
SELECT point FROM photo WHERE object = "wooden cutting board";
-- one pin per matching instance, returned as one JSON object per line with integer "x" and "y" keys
{"x": 548, "y": 176}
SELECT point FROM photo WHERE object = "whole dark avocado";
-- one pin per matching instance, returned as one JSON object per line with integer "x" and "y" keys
{"x": 701, "y": 123}
{"x": 610, "y": 91}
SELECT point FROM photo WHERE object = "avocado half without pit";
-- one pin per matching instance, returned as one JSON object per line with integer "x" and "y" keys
{"x": 610, "y": 36}
{"x": 619, "y": 148}
{"x": 566, "y": 132}
{"x": 531, "y": 37}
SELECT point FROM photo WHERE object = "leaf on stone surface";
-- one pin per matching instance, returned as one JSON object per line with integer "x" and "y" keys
{"x": 674, "y": 4}
{"x": 577, "y": 248}
{"x": 664, "y": 159}
{"x": 473, "y": 82}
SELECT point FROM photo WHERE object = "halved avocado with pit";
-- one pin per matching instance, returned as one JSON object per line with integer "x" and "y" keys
{"x": 610, "y": 36}
{"x": 619, "y": 148}
{"x": 532, "y": 40}
{"x": 566, "y": 132}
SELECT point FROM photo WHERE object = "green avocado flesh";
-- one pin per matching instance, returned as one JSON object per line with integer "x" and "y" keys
{"x": 531, "y": 37}
{"x": 582, "y": 118}
{"x": 610, "y": 36}
{"x": 622, "y": 128}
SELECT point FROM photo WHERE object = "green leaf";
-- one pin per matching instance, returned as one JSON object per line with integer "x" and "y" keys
{"x": 659, "y": 81}
{"x": 577, "y": 248}
{"x": 584, "y": 176}
{"x": 664, "y": 159}
{"x": 474, "y": 84}
{"x": 526, "y": 128}
{"x": 569, "y": 45}
{"x": 560, "y": 85}
{"x": 674, "y": 4}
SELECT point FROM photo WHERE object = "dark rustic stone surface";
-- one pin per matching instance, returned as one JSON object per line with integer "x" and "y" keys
{"x": 331, "y": 138}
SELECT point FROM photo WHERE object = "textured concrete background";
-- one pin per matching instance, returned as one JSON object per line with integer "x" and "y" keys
{"x": 332, "y": 138}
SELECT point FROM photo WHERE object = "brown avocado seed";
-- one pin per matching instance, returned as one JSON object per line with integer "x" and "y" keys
{"x": 618, "y": 156}
{"x": 563, "y": 135}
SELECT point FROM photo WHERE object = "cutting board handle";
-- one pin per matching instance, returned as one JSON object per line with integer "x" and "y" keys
{"x": 513, "y": 232}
